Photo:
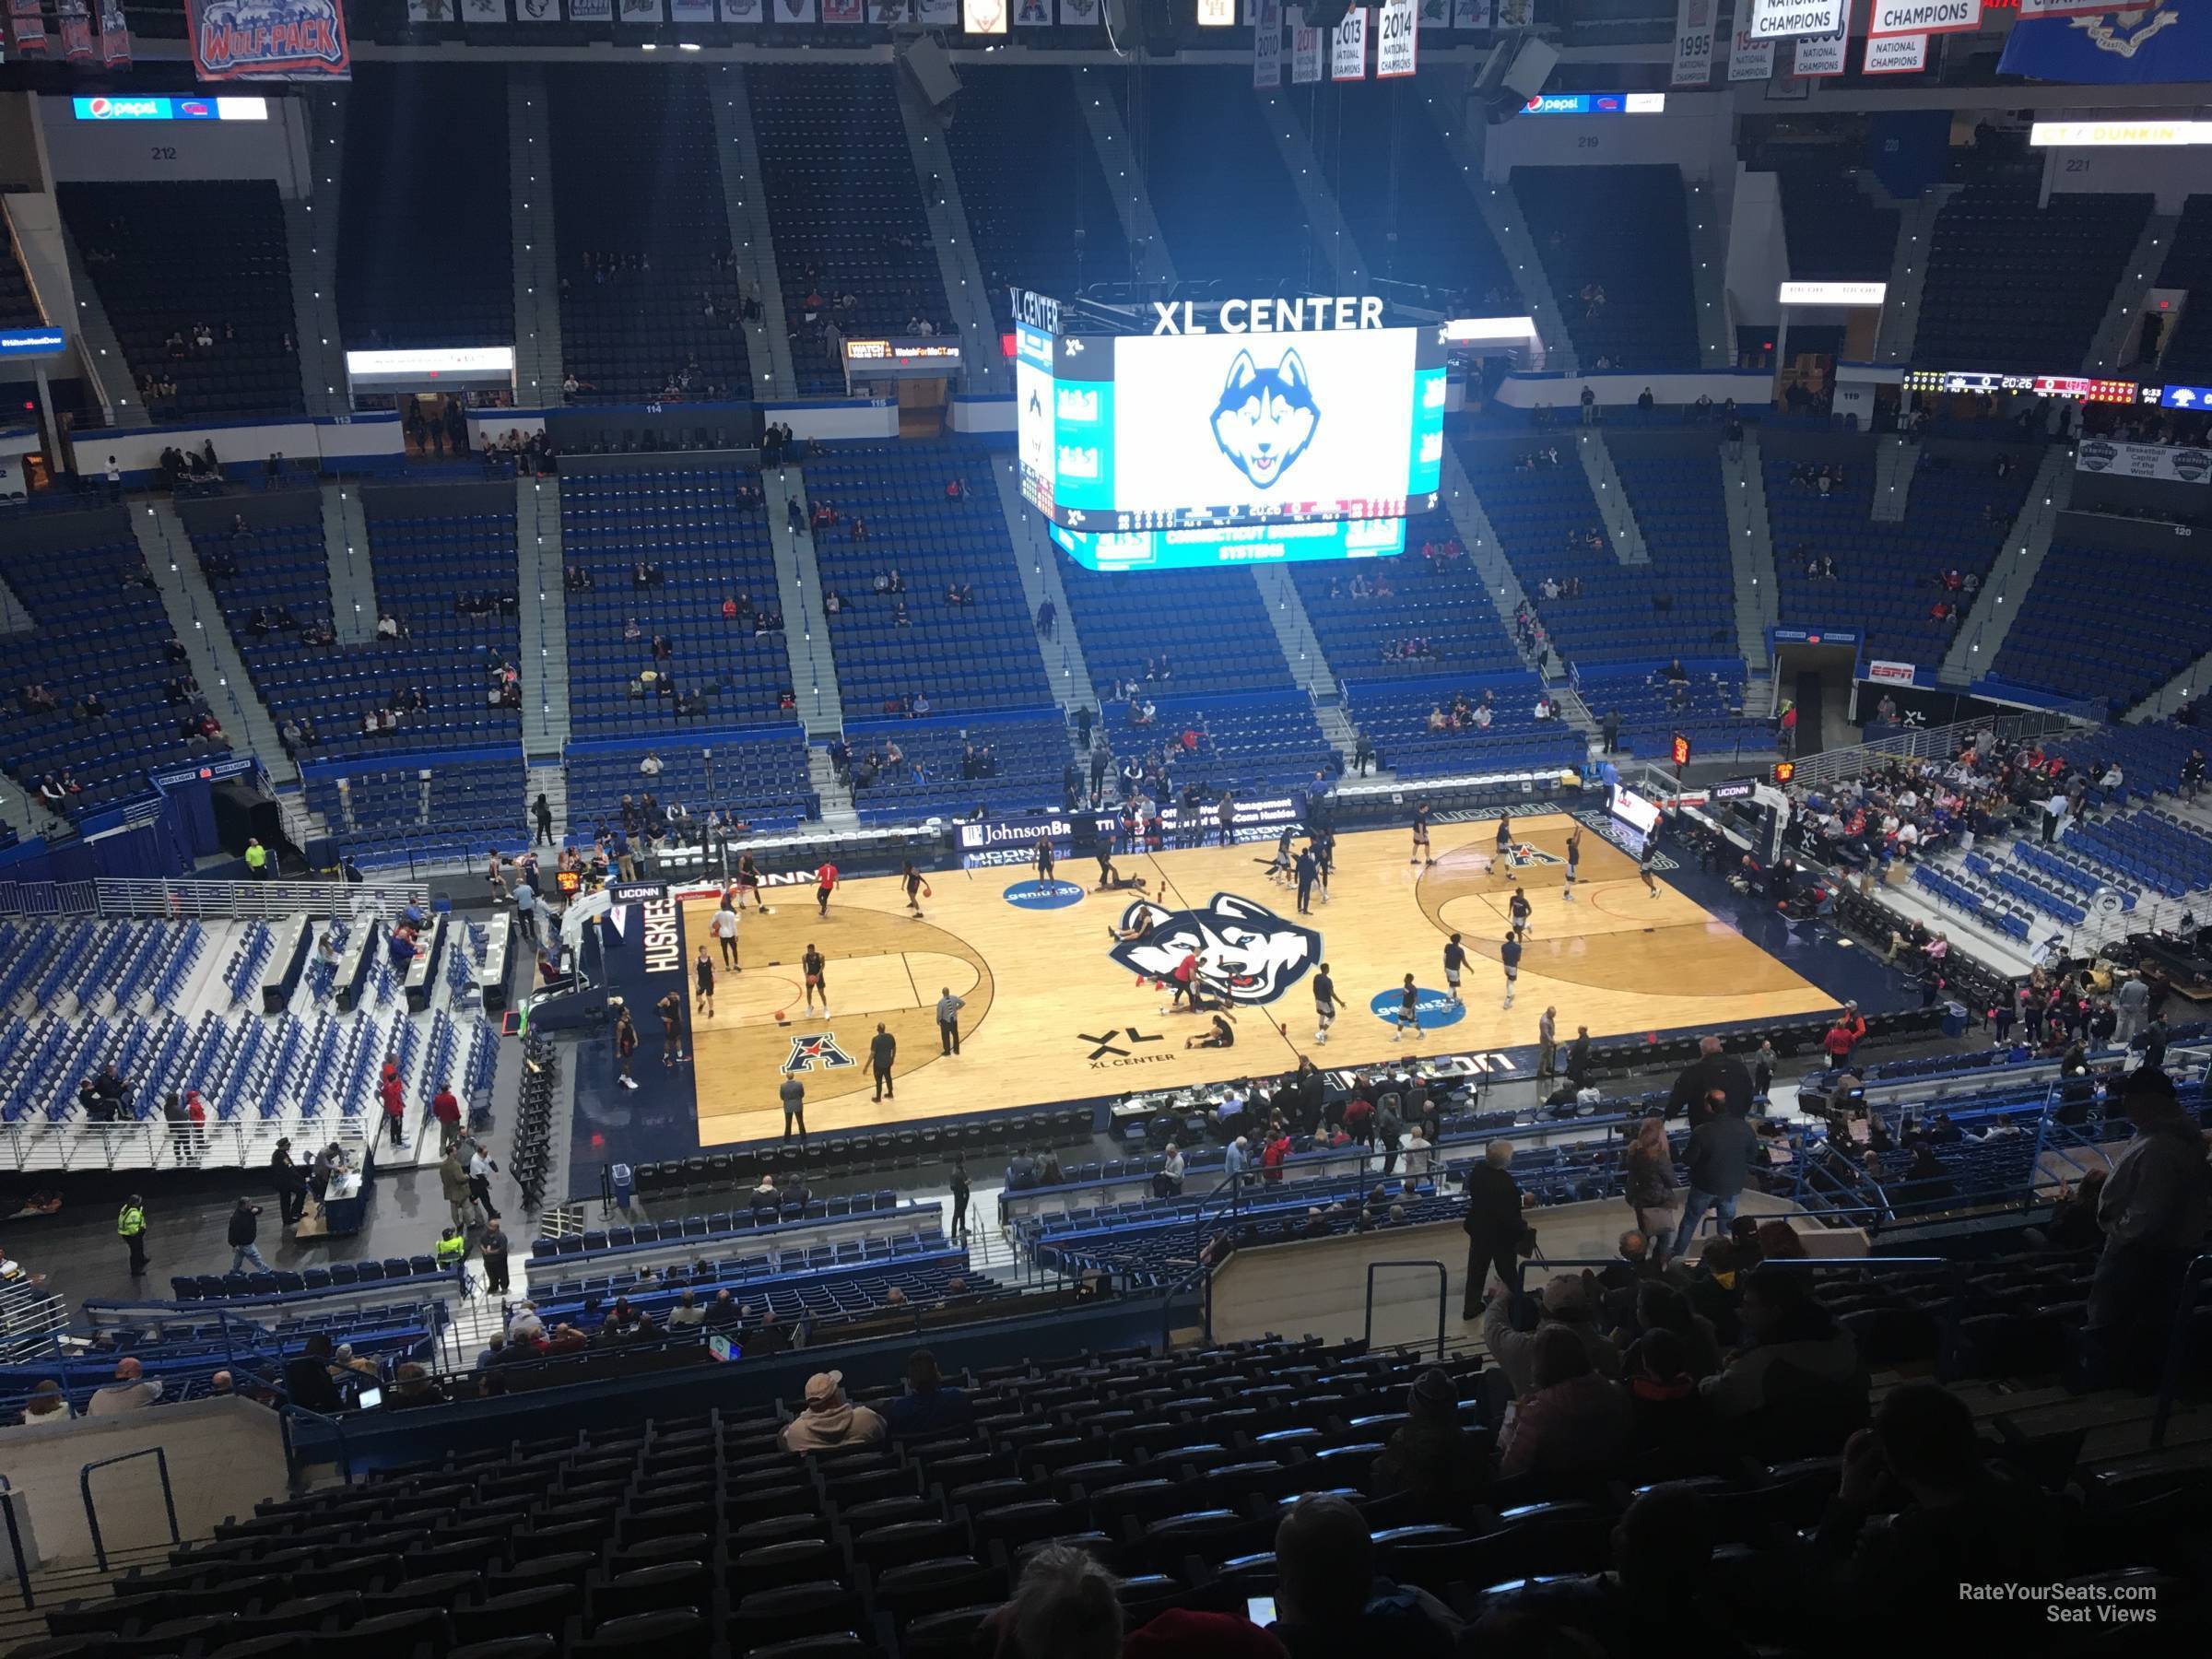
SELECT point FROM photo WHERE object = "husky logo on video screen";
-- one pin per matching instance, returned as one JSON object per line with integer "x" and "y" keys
{"x": 1266, "y": 416}
{"x": 1246, "y": 949}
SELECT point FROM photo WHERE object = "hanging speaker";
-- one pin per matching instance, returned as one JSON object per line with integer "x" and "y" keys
{"x": 932, "y": 70}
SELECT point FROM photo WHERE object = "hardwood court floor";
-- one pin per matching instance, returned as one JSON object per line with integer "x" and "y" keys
{"x": 1052, "y": 1016}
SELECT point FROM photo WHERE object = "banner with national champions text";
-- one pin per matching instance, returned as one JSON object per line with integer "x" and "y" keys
{"x": 269, "y": 40}
{"x": 1347, "y": 47}
{"x": 1750, "y": 60}
{"x": 1789, "y": 19}
{"x": 1815, "y": 56}
{"x": 1397, "y": 48}
{"x": 1693, "y": 43}
{"x": 1268, "y": 47}
{"x": 1305, "y": 47}
{"x": 1885, "y": 18}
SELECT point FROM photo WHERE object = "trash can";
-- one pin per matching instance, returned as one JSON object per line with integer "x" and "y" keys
{"x": 624, "y": 1182}
{"x": 1953, "y": 1019}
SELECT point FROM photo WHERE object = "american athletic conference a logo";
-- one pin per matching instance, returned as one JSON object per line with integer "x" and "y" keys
{"x": 818, "y": 1050}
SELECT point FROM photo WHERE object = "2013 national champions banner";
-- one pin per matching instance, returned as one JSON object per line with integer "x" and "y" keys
{"x": 270, "y": 40}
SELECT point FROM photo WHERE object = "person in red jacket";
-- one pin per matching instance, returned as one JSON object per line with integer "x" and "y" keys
{"x": 445, "y": 1106}
{"x": 395, "y": 1103}
{"x": 1272, "y": 1155}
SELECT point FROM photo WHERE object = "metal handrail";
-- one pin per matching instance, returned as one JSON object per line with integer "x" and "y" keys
{"x": 15, "y": 1542}
{"x": 2177, "y": 1345}
{"x": 1444, "y": 1293}
{"x": 168, "y": 1497}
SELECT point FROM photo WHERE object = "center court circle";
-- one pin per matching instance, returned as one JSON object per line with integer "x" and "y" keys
{"x": 1044, "y": 895}
{"x": 1433, "y": 1009}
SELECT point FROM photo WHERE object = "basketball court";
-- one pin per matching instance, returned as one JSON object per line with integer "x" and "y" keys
{"x": 1053, "y": 1014}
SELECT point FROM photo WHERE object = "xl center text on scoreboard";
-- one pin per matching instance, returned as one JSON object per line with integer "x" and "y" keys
{"x": 1238, "y": 430}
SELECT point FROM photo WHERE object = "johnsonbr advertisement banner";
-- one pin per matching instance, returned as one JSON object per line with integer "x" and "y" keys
{"x": 270, "y": 40}
{"x": 985, "y": 835}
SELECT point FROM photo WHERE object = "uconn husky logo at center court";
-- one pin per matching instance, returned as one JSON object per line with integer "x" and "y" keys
{"x": 1245, "y": 949}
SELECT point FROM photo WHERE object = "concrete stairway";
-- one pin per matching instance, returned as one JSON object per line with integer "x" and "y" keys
{"x": 1339, "y": 269}
{"x": 745, "y": 199}
{"x": 537, "y": 372}
{"x": 1750, "y": 549}
{"x": 352, "y": 567}
{"x": 2183, "y": 687}
{"x": 1908, "y": 274}
{"x": 1707, "y": 275}
{"x": 311, "y": 242}
{"x": 836, "y": 798}
{"x": 197, "y": 620}
{"x": 14, "y": 617}
{"x": 1501, "y": 211}
{"x": 1480, "y": 538}
{"x": 1125, "y": 179}
{"x": 1038, "y": 562}
{"x": 102, "y": 352}
{"x": 1974, "y": 648}
{"x": 542, "y": 595}
{"x": 965, "y": 289}
{"x": 550, "y": 778}
{"x": 65, "y": 1582}
{"x": 1895, "y": 460}
{"x": 799, "y": 591}
{"x": 2131, "y": 293}
{"x": 1294, "y": 631}
{"x": 1613, "y": 508}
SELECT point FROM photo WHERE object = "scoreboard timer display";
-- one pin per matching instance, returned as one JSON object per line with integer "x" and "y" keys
{"x": 2074, "y": 387}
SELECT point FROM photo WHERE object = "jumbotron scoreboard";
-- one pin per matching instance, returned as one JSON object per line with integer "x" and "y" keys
{"x": 1235, "y": 431}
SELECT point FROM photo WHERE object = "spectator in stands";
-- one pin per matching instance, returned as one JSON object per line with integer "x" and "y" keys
{"x": 1718, "y": 1159}
{"x": 47, "y": 1406}
{"x": 1650, "y": 1180}
{"x": 930, "y": 1405}
{"x": 1801, "y": 1369}
{"x": 1572, "y": 1419}
{"x": 1329, "y": 1601}
{"x": 132, "y": 1390}
{"x": 245, "y": 1228}
{"x": 831, "y": 1420}
{"x": 2156, "y": 1204}
{"x": 1432, "y": 1456}
{"x": 1566, "y": 1303}
{"x": 1494, "y": 1223}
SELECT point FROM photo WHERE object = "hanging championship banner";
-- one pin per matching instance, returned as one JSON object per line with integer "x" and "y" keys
{"x": 843, "y": 13}
{"x": 741, "y": 11}
{"x": 1396, "y": 50}
{"x": 984, "y": 16}
{"x": 1470, "y": 13}
{"x": 1790, "y": 19}
{"x": 537, "y": 11}
{"x": 791, "y": 11}
{"x": 1512, "y": 14}
{"x": 76, "y": 31}
{"x": 1750, "y": 60}
{"x": 1818, "y": 55}
{"x": 1921, "y": 17}
{"x": 1693, "y": 43}
{"x": 430, "y": 11}
{"x": 591, "y": 11}
{"x": 114, "y": 35}
{"x": 2064, "y": 9}
{"x": 1895, "y": 54}
{"x": 642, "y": 11}
{"x": 1305, "y": 48}
{"x": 483, "y": 11}
{"x": 1033, "y": 14}
{"x": 1434, "y": 14}
{"x": 1075, "y": 14}
{"x": 26, "y": 28}
{"x": 1347, "y": 47}
{"x": 269, "y": 40}
{"x": 1268, "y": 47}
{"x": 690, "y": 11}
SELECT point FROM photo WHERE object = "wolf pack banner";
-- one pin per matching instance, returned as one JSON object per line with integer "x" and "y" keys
{"x": 2172, "y": 463}
{"x": 1396, "y": 46}
{"x": 1074, "y": 14}
{"x": 1033, "y": 14}
{"x": 1812, "y": 56}
{"x": 26, "y": 28}
{"x": 1268, "y": 47}
{"x": 269, "y": 40}
{"x": 690, "y": 11}
{"x": 114, "y": 35}
{"x": 76, "y": 31}
{"x": 1347, "y": 47}
{"x": 1792, "y": 19}
{"x": 1921, "y": 17}
{"x": 642, "y": 11}
{"x": 1693, "y": 43}
{"x": 1305, "y": 48}
{"x": 1895, "y": 54}
{"x": 1750, "y": 60}
{"x": 2144, "y": 43}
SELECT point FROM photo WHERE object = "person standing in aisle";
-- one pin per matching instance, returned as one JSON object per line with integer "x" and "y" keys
{"x": 481, "y": 1169}
{"x": 722, "y": 924}
{"x": 245, "y": 1232}
{"x": 1324, "y": 1004}
{"x": 825, "y": 883}
{"x": 883, "y": 1048}
{"x": 525, "y": 909}
{"x": 292, "y": 1183}
{"x": 702, "y": 984}
{"x": 493, "y": 1246}
{"x": 948, "y": 1020}
{"x": 1547, "y": 1041}
{"x": 1455, "y": 959}
{"x": 959, "y": 1198}
{"x": 541, "y": 810}
{"x": 1509, "y": 958}
{"x": 130, "y": 1225}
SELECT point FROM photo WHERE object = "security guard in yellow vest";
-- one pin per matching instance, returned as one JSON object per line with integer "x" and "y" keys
{"x": 130, "y": 1225}
{"x": 257, "y": 860}
{"x": 452, "y": 1249}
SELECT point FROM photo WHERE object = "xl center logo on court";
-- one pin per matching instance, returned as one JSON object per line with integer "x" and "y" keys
{"x": 1106, "y": 1046}
{"x": 1245, "y": 951}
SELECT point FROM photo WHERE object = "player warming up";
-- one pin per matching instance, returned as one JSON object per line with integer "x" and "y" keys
{"x": 1521, "y": 911}
{"x": 1420, "y": 835}
{"x": 1574, "y": 859}
{"x": 702, "y": 979}
{"x": 1455, "y": 959}
{"x": 748, "y": 880}
{"x": 825, "y": 883}
{"x": 1644, "y": 866}
{"x": 1509, "y": 958}
{"x": 1043, "y": 857}
{"x": 810, "y": 971}
{"x": 917, "y": 889}
{"x": 1504, "y": 858}
{"x": 1409, "y": 1011}
{"x": 1324, "y": 1004}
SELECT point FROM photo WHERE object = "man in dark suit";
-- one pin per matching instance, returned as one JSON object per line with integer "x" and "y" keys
{"x": 1710, "y": 1071}
{"x": 1493, "y": 1224}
